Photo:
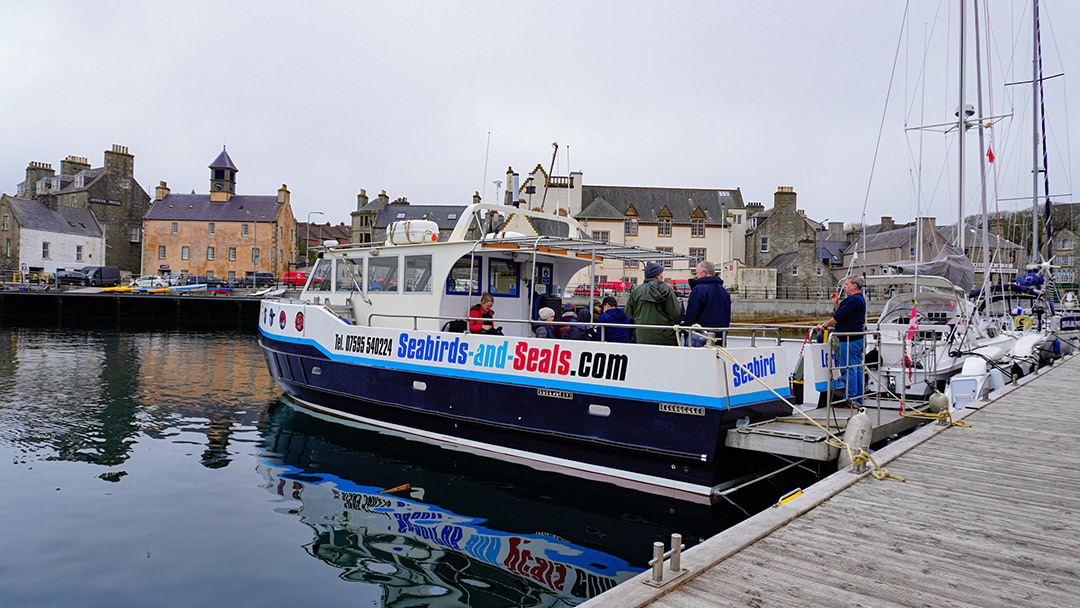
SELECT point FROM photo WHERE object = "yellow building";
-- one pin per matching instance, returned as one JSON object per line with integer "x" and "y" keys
{"x": 221, "y": 234}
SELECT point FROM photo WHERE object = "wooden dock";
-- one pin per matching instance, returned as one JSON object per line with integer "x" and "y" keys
{"x": 988, "y": 516}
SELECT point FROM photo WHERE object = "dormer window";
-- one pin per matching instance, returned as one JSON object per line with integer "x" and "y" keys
{"x": 80, "y": 181}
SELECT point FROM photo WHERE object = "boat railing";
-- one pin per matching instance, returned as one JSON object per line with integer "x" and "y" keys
{"x": 857, "y": 368}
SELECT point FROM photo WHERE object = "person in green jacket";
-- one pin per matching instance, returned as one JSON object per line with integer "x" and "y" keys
{"x": 654, "y": 303}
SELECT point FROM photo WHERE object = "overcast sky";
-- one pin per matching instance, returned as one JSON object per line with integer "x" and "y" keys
{"x": 434, "y": 100}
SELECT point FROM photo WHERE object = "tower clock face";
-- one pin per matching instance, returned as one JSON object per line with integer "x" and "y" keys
{"x": 219, "y": 186}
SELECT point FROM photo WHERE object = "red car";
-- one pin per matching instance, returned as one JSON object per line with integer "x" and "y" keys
{"x": 296, "y": 279}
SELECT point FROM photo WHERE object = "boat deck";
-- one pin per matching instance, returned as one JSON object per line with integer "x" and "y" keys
{"x": 798, "y": 437}
{"x": 988, "y": 516}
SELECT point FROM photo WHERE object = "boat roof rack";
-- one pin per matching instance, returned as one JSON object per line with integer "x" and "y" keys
{"x": 582, "y": 248}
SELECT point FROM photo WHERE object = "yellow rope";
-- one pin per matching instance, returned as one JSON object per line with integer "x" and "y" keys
{"x": 940, "y": 416}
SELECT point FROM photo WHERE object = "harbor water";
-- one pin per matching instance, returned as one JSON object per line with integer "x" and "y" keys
{"x": 161, "y": 467}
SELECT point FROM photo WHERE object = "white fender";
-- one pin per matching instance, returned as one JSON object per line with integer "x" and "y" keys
{"x": 857, "y": 435}
{"x": 939, "y": 402}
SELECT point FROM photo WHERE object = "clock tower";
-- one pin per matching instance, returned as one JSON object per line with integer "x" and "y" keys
{"x": 222, "y": 178}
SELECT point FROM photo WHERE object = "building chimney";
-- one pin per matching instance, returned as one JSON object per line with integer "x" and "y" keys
{"x": 784, "y": 201}
{"x": 34, "y": 172}
{"x": 836, "y": 231}
{"x": 383, "y": 199}
{"x": 361, "y": 199}
{"x": 161, "y": 191}
{"x": 887, "y": 224}
{"x": 73, "y": 164}
{"x": 283, "y": 195}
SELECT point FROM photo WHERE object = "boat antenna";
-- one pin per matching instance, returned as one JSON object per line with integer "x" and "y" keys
{"x": 487, "y": 152}
{"x": 547, "y": 178}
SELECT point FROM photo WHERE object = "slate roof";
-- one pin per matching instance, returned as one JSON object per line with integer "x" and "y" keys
{"x": 832, "y": 251}
{"x": 33, "y": 215}
{"x": 783, "y": 260}
{"x": 973, "y": 237}
{"x": 890, "y": 239}
{"x": 649, "y": 201}
{"x": 223, "y": 161}
{"x": 91, "y": 176}
{"x": 440, "y": 214}
{"x": 197, "y": 207}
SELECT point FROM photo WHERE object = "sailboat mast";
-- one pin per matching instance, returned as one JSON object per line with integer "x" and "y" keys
{"x": 1035, "y": 132}
{"x": 961, "y": 116}
{"x": 982, "y": 149}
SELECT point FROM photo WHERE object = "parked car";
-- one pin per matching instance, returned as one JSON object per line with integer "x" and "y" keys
{"x": 296, "y": 279}
{"x": 152, "y": 280}
{"x": 200, "y": 279}
{"x": 102, "y": 276}
{"x": 257, "y": 280}
{"x": 174, "y": 278}
{"x": 71, "y": 277}
{"x": 681, "y": 286}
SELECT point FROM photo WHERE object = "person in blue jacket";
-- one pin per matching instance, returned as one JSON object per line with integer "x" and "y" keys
{"x": 613, "y": 314}
{"x": 709, "y": 304}
{"x": 850, "y": 317}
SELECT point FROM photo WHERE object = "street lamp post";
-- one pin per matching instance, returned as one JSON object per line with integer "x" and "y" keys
{"x": 307, "y": 238}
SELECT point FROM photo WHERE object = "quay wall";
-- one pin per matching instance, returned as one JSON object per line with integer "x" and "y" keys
{"x": 72, "y": 307}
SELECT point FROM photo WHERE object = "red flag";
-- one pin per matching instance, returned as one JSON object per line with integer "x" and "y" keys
{"x": 914, "y": 325}
{"x": 990, "y": 154}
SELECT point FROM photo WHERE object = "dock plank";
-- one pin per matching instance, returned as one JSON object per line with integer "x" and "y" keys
{"x": 988, "y": 516}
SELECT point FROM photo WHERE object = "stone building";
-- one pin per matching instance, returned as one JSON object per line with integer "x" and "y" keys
{"x": 1067, "y": 259}
{"x": 921, "y": 241}
{"x": 39, "y": 240}
{"x": 371, "y": 217}
{"x": 110, "y": 193}
{"x": 221, "y": 234}
{"x": 785, "y": 239}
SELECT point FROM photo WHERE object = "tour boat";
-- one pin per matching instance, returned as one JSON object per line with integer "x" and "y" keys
{"x": 376, "y": 338}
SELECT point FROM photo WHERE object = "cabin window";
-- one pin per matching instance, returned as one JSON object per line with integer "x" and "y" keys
{"x": 418, "y": 273}
{"x": 503, "y": 278}
{"x": 348, "y": 275}
{"x": 382, "y": 274}
{"x": 464, "y": 274}
{"x": 320, "y": 276}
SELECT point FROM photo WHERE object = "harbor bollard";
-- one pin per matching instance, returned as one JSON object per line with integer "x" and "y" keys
{"x": 676, "y": 553}
{"x": 658, "y": 561}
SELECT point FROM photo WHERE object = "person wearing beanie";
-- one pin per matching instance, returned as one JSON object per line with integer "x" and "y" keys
{"x": 544, "y": 329}
{"x": 613, "y": 314}
{"x": 654, "y": 303}
{"x": 569, "y": 316}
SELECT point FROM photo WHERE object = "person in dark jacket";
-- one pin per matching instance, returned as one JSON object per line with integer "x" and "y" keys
{"x": 569, "y": 316}
{"x": 709, "y": 304}
{"x": 654, "y": 303}
{"x": 613, "y": 314}
{"x": 580, "y": 330}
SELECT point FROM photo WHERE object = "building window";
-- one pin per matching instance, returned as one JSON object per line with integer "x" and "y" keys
{"x": 8, "y": 248}
{"x": 630, "y": 226}
{"x": 794, "y": 271}
{"x": 630, "y": 264}
{"x": 666, "y": 263}
{"x": 45, "y": 250}
{"x": 210, "y": 253}
{"x": 5, "y": 223}
{"x": 1066, "y": 244}
{"x": 698, "y": 255}
{"x": 161, "y": 252}
{"x": 601, "y": 235}
{"x": 601, "y": 278}
{"x": 232, "y": 275}
{"x": 738, "y": 218}
{"x": 244, "y": 230}
{"x": 210, "y": 228}
{"x": 664, "y": 227}
{"x": 764, "y": 244}
{"x": 912, "y": 254}
{"x": 819, "y": 271}
{"x": 232, "y": 254}
{"x": 136, "y": 234}
{"x": 78, "y": 253}
{"x": 185, "y": 252}
{"x": 697, "y": 228}
{"x": 125, "y": 184}
{"x": 175, "y": 228}
{"x": 255, "y": 255}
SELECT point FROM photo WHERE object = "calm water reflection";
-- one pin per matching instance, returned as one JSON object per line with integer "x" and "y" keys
{"x": 160, "y": 468}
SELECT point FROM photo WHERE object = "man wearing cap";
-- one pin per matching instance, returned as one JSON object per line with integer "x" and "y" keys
{"x": 654, "y": 303}
{"x": 709, "y": 304}
{"x": 569, "y": 316}
{"x": 613, "y": 314}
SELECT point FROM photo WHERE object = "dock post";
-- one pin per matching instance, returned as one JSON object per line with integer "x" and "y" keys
{"x": 676, "y": 553}
{"x": 658, "y": 561}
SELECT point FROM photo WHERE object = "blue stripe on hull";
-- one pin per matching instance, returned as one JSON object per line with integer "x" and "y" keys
{"x": 636, "y": 437}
